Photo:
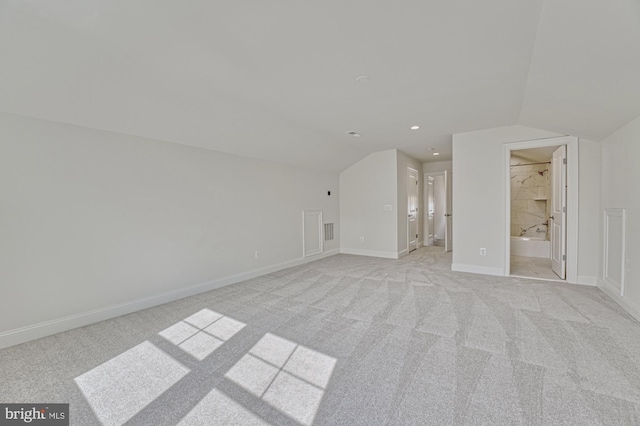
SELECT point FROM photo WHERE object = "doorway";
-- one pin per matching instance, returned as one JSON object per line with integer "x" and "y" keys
{"x": 538, "y": 177}
{"x": 542, "y": 204}
{"x": 438, "y": 216}
{"x": 412, "y": 208}
{"x": 429, "y": 209}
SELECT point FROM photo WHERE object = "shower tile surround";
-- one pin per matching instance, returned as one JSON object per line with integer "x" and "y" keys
{"x": 530, "y": 198}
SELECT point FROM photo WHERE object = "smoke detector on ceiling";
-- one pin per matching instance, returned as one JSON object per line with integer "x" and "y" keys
{"x": 354, "y": 134}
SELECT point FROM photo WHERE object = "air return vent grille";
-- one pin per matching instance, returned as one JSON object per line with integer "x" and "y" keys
{"x": 328, "y": 231}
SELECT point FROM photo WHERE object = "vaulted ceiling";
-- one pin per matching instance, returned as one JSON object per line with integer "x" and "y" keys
{"x": 276, "y": 80}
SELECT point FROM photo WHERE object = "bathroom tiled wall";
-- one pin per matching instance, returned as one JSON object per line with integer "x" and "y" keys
{"x": 530, "y": 199}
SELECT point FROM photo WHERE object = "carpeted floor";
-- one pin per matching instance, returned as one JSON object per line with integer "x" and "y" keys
{"x": 348, "y": 340}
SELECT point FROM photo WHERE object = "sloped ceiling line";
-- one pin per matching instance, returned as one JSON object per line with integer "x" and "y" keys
{"x": 276, "y": 80}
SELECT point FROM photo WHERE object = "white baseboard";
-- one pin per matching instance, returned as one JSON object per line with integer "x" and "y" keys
{"x": 474, "y": 269}
{"x": 632, "y": 308}
{"x": 371, "y": 253}
{"x": 590, "y": 281}
{"x": 403, "y": 253}
{"x": 47, "y": 328}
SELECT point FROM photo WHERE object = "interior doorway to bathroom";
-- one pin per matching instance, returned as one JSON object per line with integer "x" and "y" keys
{"x": 541, "y": 214}
{"x": 532, "y": 176}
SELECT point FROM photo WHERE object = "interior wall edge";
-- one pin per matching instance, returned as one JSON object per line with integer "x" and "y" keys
{"x": 369, "y": 253}
{"x": 632, "y": 308}
{"x": 474, "y": 269}
{"x": 588, "y": 281}
{"x": 59, "y": 325}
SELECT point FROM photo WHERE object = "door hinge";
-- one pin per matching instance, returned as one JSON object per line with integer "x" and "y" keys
{"x": 564, "y": 161}
{"x": 564, "y": 257}
{"x": 564, "y": 210}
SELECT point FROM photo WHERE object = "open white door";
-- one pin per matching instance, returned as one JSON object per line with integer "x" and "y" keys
{"x": 558, "y": 218}
{"x": 448, "y": 214}
{"x": 429, "y": 224}
{"x": 412, "y": 208}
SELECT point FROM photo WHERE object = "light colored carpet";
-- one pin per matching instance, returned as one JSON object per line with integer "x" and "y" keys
{"x": 348, "y": 340}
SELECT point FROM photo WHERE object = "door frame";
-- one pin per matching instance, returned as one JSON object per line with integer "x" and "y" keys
{"x": 571, "y": 143}
{"x": 426, "y": 229}
{"x": 448, "y": 211}
{"x": 411, "y": 170}
{"x": 433, "y": 175}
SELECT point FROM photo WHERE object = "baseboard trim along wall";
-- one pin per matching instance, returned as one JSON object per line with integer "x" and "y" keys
{"x": 474, "y": 269}
{"x": 370, "y": 253}
{"x": 47, "y": 328}
{"x": 627, "y": 305}
{"x": 590, "y": 281}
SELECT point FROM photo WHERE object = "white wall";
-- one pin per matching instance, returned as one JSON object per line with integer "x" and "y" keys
{"x": 620, "y": 178}
{"x": 479, "y": 203}
{"x": 437, "y": 166}
{"x": 110, "y": 223}
{"x": 589, "y": 214}
{"x": 365, "y": 188}
{"x": 404, "y": 162}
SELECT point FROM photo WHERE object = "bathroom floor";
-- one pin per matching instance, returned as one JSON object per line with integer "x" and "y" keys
{"x": 534, "y": 267}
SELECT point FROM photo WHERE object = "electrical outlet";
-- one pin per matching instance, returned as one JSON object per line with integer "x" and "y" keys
{"x": 483, "y": 251}
{"x": 257, "y": 254}
{"x": 362, "y": 239}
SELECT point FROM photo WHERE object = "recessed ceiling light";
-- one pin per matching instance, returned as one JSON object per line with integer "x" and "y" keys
{"x": 363, "y": 79}
{"x": 354, "y": 134}
{"x": 415, "y": 127}
{"x": 436, "y": 153}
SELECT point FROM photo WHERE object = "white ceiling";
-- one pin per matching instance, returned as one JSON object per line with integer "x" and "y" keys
{"x": 276, "y": 80}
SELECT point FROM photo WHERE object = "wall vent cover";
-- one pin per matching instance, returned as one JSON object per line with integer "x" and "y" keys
{"x": 328, "y": 231}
